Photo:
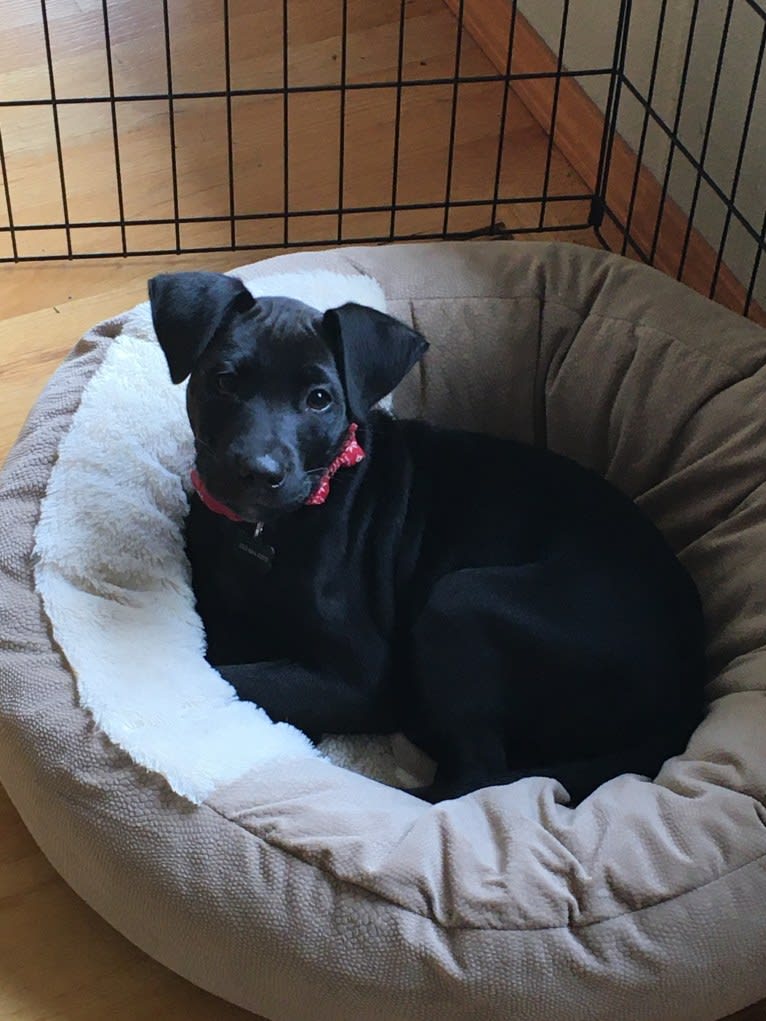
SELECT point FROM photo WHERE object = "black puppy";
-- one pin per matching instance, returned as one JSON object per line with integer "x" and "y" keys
{"x": 507, "y": 610}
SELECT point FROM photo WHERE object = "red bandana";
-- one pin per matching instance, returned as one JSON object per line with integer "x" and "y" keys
{"x": 350, "y": 455}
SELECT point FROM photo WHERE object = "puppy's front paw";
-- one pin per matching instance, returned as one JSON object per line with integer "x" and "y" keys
{"x": 254, "y": 682}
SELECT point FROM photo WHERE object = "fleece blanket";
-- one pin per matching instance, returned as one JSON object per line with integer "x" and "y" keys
{"x": 116, "y": 585}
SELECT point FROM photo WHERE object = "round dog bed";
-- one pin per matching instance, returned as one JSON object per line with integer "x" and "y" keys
{"x": 278, "y": 875}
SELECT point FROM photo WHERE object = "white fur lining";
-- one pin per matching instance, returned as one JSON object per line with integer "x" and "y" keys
{"x": 115, "y": 583}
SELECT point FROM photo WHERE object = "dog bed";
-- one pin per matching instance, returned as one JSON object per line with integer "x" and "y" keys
{"x": 299, "y": 882}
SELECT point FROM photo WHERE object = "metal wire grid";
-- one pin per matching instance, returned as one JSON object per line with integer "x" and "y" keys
{"x": 489, "y": 203}
{"x": 726, "y": 194}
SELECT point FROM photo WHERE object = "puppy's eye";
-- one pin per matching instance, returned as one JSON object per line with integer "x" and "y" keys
{"x": 226, "y": 382}
{"x": 319, "y": 399}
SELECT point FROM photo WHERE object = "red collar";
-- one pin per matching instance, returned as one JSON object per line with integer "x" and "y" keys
{"x": 209, "y": 500}
{"x": 351, "y": 454}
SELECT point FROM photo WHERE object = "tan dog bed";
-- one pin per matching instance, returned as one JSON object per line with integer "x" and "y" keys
{"x": 272, "y": 873}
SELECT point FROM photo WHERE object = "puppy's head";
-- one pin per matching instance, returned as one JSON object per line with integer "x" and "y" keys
{"x": 273, "y": 384}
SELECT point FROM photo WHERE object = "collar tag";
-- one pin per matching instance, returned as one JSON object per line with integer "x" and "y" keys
{"x": 255, "y": 547}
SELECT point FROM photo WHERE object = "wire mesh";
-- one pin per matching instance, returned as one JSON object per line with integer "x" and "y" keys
{"x": 696, "y": 116}
{"x": 317, "y": 86}
{"x": 148, "y": 127}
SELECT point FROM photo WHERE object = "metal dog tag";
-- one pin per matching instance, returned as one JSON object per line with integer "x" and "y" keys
{"x": 256, "y": 547}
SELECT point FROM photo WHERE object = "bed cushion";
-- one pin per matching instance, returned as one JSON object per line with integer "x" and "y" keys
{"x": 287, "y": 881}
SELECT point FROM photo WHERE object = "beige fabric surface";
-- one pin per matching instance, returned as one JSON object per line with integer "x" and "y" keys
{"x": 316, "y": 894}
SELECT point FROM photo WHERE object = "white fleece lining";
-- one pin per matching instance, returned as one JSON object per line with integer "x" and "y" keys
{"x": 115, "y": 582}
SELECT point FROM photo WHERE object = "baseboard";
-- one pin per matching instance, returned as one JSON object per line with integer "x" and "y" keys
{"x": 578, "y": 134}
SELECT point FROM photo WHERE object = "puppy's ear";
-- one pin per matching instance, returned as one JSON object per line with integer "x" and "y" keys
{"x": 373, "y": 352}
{"x": 187, "y": 311}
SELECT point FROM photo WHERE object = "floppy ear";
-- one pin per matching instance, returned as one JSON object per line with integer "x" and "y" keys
{"x": 373, "y": 352}
{"x": 187, "y": 311}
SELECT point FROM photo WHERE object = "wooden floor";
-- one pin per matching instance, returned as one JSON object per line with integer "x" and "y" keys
{"x": 76, "y": 32}
{"x": 59, "y": 960}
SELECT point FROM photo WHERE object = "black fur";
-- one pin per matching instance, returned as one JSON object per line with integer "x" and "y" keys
{"x": 509, "y": 611}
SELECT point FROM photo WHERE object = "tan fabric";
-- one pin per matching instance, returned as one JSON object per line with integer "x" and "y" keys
{"x": 316, "y": 894}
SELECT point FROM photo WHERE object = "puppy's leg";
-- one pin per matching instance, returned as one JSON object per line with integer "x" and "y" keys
{"x": 463, "y": 674}
{"x": 580, "y": 777}
{"x": 470, "y": 764}
{"x": 562, "y": 672}
{"x": 315, "y": 702}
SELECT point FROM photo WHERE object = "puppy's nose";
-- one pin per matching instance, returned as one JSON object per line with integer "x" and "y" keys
{"x": 263, "y": 469}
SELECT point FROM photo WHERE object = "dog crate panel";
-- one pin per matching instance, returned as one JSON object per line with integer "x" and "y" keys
{"x": 255, "y": 44}
{"x": 24, "y": 68}
{"x": 425, "y": 222}
{"x": 197, "y": 68}
{"x": 88, "y": 151}
{"x": 209, "y": 235}
{"x": 31, "y": 165}
{"x": 77, "y": 49}
{"x": 430, "y": 45}
{"x": 478, "y": 107}
{"x": 146, "y": 159}
{"x": 50, "y": 243}
{"x": 372, "y": 51}
{"x": 307, "y": 230}
{"x": 260, "y": 233}
{"x": 138, "y": 47}
{"x": 259, "y": 155}
{"x": 422, "y": 175}
{"x": 370, "y": 126}
{"x": 150, "y": 237}
{"x": 313, "y": 155}
{"x": 95, "y": 240}
{"x": 366, "y": 226}
{"x": 202, "y": 168}
{"x": 739, "y": 250}
{"x": 402, "y": 110}
{"x": 314, "y": 40}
